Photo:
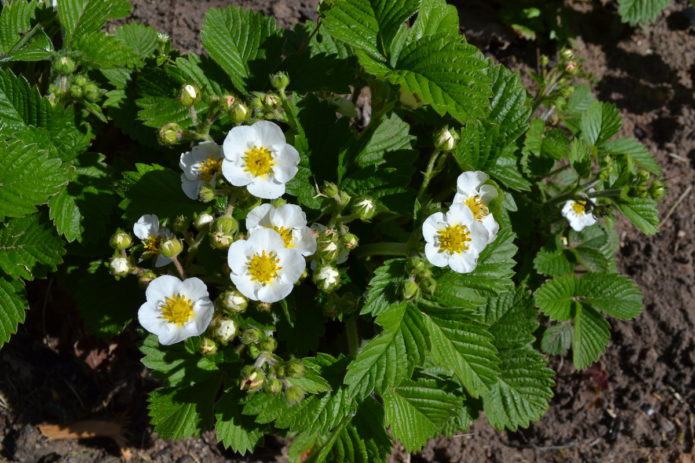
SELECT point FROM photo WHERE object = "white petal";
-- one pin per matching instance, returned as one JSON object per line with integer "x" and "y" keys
{"x": 162, "y": 261}
{"x": 266, "y": 239}
{"x": 238, "y": 255}
{"x": 567, "y": 209}
{"x": 289, "y": 216}
{"x": 292, "y": 263}
{"x": 186, "y": 162}
{"x": 491, "y": 226}
{"x": 460, "y": 198}
{"x": 259, "y": 216}
{"x": 161, "y": 288}
{"x": 150, "y": 317}
{"x": 194, "y": 289}
{"x": 275, "y": 292}
{"x": 479, "y": 237}
{"x": 464, "y": 262}
{"x": 459, "y": 214}
{"x": 265, "y": 189}
{"x": 286, "y": 162}
{"x": 304, "y": 241}
{"x": 238, "y": 141}
{"x": 207, "y": 149}
{"x": 235, "y": 173}
{"x": 269, "y": 133}
{"x": 468, "y": 182}
{"x": 191, "y": 187}
{"x": 436, "y": 258}
{"x": 204, "y": 310}
{"x": 147, "y": 225}
{"x": 487, "y": 193}
{"x": 245, "y": 286}
{"x": 171, "y": 335}
{"x": 431, "y": 226}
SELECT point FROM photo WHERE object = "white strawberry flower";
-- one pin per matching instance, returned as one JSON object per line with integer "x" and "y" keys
{"x": 575, "y": 211}
{"x": 200, "y": 166}
{"x": 147, "y": 229}
{"x": 454, "y": 239}
{"x": 263, "y": 269}
{"x": 471, "y": 191}
{"x": 258, "y": 157}
{"x": 289, "y": 221}
{"x": 176, "y": 310}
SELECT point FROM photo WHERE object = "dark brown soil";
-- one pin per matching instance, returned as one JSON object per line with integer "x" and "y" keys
{"x": 635, "y": 405}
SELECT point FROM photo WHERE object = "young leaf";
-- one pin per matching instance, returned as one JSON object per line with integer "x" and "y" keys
{"x": 418, "y": 410}
{"x": 391, "y": 356}
{"x": 640, "y": 11}
{"x": 384, "y": 288}
{"x": 234, "y": 37}
{"x": 557, "y": 339}
{"x": 590, "y": 336}
{"x": 13, "y": 305}
{"x": 29, "y": 244}
{"x": 635, "y": 152}
{"x": 642, "y": 212}
{"x": 234, "y": 430}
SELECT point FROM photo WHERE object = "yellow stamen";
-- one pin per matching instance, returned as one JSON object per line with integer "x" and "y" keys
{"x": 286, "y": 234}
{"x": 453, "y": 238}
{"x": 264, "y": 267}
{"x": 477, "y": 207}
{"x": 152, "y": 244}
{"x": 208, "y": 168}
{"x": 177, "y": 309}
{"x": 579, "y": 207}
{"x": 258, "y": 161}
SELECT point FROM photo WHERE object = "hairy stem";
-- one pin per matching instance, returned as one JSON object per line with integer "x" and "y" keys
{"x": 353, "y": 337}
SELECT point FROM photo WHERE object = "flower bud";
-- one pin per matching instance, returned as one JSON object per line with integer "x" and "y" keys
{"x": 180, "y": 224}
{"x": 545, "y": 60}
{"x": 170, "y": 134}
{"x": 119, "y": 266}
{"x": 327, "y": 278}
{"x": 252, "y": 378}
{"x": 220, "y": 240}
{"x": 295, "y": 368}
{"x": 207, "y": 347}
{"x": 410, "y": 289}
{"x": 268, "y": 344}
{"x": 365, "y": 209}
{"x": 446, "y": 139}
{"x": 280, "y": 81}
{"x": 239, "y": 112}
{"x": 274, "y": 386}
{"x": 76, "y": 91}
{"x": 80, "y": 80}
{"x": 254, "y": 351}
{"x": 330, "y": 189}
{"x": 228, "y": 102}
{"x": 121, "y": 240}
{"x": 224, "y": 329}
{"x": 410, "y": 100}
{"x": 657, "y": 190}
{"x": 271, "y": 102}
{"x": 171, "y": 247}
{"x": 429, "y": 285}
{"x": 327, "y": 246}
{"x": 64, "y": 65}
{"x": 91, "y": 92}
{"x": 572, "y": 68}
{"x": 233, "y": 301}
{"x": 349, "y": 241}
{"x": 227, "y": 225}
{"x": 251, "y": 336}
{"x": 206, "y": 193}
{"x": 203, "y": 221}
{"x": 342, "y": 199}
{"x": 264, "y": 307}
{"x": 567, "y": 54}
{"x": 190, "y": 95}
{"x": 146, "y": 278}
{"x": 294, "y": 394}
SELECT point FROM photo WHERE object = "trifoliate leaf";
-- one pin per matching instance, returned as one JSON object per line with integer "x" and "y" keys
{"x": 29, "y": 247}
{"x": 642, "y": 212}
{"x": 590, "y": 336}
{"x": 640, "y": 11}
{"x": 418, "y": 410}
{"x": 617, "y": 295}
{"x": 552, "y": 262}
{"x": 13, "y": 305}
{"x": 234, "y": 430}
{"x": 384, "y": 287}
{"x": 65, "y": 215}
{"x": 235, "y": 37}
{"x": 592, "y": 250}
{"x": 462, "y": 343}
{"x": 634, "y": 151}
{"x": 557, "y": 339}
{"x": 28, "y": 177}
{"x": 600, "y": 122}
{"x": 391, "y": 356}
{"x": 80, "y": 17}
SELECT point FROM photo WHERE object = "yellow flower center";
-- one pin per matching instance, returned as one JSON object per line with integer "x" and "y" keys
{"x": 258, "y": 161}
{"x": 477, "y": 207}
{"x": 177, "y": 309}
{"x": 264, "y": 267}
{"x": 208, "y": 168}
{"x": 453, "y": 238}
{"x": 579, "y": 207}
{"x": 286, "y": 234}
{"x": 152, "y": 244}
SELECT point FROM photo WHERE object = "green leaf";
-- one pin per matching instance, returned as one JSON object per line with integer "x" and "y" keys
{"x": 65, "y": 215}
{"x": 391, "y": 356}
{"x": 417, "y": 411}
{"x": 28, "y": 177}
{"x": 141, "y": 39}
{"x": 29, "y": 245}
{"x": 234, "y": 37}
{"x": 462, "y": 343}
{"x": 507, "y": 172}
{"x": 179, "y": 365}
{"x": 556, "y": 297}
{"x": 557, "y": 339}
{"x": 385, "y": 287}
{"x": 234, "y": 430}
{"x": 590, "y": 337}
{"x": 182, "y": 412}
{"x": 80, "y": 17}
{"x": 435, "y": 17}
{"x": 600, "y": 122}
{"x": 318, "y": 413}
{"x": 641, "y": 11}
{"x": 105, "y": 51}
{"x": 635, "y": 151}
{"x": 392, "y": 135}
{"x": 368, "y": 25}
{"x": 18, "y": 41}
{"x": 511, "y": 319}
{"x": 13, "y": 305}
{"x": 479, "y": 147}
{"x": 510, "y": 106}
{"x": 365, "y": 440}
{"x": 642, "y": 212}
{"x": 552, "y": 262}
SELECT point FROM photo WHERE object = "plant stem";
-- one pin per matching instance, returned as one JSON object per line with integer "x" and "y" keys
{"x": 429, "y": 173}
{"x": 382, "y": 249}
{"x": 179, "y": 267}
{"x": 353, "y": 337}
